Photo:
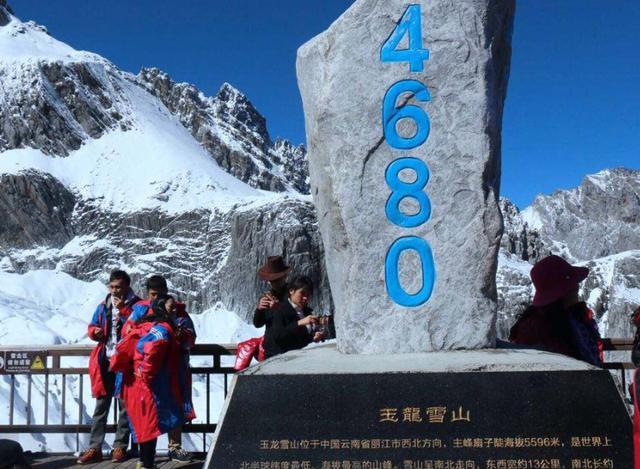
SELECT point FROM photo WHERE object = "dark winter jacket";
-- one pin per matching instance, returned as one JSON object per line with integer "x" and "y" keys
{"x": 284, "y": 333}
{"x": 572, "y": 332}
{"x": 262, "y": 317}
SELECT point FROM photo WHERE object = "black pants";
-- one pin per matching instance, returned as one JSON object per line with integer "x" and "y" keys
{"x": 148, "y": 453}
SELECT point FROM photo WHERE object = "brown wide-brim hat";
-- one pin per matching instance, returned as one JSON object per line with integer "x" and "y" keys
{"x": 273, "y": 269}
{"x": 554, "y": 278}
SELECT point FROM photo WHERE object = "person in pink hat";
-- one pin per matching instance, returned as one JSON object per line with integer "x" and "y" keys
{"x": 557, "y": 321}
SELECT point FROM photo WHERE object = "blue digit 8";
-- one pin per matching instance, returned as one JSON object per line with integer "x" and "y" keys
{"x": 392, "y": 274}
{"x": 401, "y": 190}
{"x": 391, "y": 114}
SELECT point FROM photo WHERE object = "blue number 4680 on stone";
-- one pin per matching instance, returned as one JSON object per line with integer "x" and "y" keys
{"x": 393, "y": 111}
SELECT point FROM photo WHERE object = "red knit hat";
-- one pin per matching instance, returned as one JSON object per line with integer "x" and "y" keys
{"x": 554, "y": 278}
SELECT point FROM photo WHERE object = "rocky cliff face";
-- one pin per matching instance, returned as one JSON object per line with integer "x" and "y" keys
{"x": 103, "y": 169}
{"x": 599, "y": 218}
{"x": 595, "y": 225}
{"x": 234, "y": 133}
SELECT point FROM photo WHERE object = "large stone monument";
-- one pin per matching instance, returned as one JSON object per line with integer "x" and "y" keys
{"x": 403, "y": 106}
{"x": 391, "y": 89}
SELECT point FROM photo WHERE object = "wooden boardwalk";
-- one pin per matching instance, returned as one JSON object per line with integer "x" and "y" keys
{"x": 68, "y": 460}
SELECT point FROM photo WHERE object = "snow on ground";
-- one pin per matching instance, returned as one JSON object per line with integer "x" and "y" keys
{"x": 45, "y": 307}
{"x": 48, "y": 307}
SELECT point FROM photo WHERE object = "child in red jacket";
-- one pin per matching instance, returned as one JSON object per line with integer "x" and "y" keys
{"x": 149, "y": 357}
{"x": 185, "y": 333}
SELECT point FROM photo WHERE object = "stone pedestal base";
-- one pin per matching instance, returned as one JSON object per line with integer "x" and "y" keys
{"x": 317, "y": 408}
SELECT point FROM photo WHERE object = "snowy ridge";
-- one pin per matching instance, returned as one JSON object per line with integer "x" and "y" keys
{"x": 232, "y": 130}
{"x": 28, "y": 41}
{"x": 598, "y": 218}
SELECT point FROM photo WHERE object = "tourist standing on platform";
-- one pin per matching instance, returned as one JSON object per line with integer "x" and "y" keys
{"x": 149, "y": 357}
{"x": 293, "y": 325}
{"x": 105, "y": 328}
{"x": 185, "y": 334}
{"x": 275, "y": 272}
{"x": 635, "y": 358}
{"x": 557, "y": 321}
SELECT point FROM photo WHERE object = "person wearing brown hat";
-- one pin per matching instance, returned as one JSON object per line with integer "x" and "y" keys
{"x": 557, "y": 321}
{"x": 275, "y": 272}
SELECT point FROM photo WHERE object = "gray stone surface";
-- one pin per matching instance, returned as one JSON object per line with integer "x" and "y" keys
{"x": 518, "y": 238}
{"x": 34, "y": 209}
{"x": 208, "y": 256}
{"x": 326, "y": 359}
{"x": 288, "y": 228}
{"x": 343, "y": 82}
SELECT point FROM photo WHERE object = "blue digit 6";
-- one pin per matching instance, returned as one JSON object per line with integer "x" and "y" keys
{"x": 401, "y": 190}
{"x": 391, "y": 114}
{"x": 392, "y": 271}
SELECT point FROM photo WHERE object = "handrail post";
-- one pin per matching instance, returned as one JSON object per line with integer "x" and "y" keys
{"x": 11, "y": 398}
{"x": 28, "y": 409}
{"x": 46, "y": 398}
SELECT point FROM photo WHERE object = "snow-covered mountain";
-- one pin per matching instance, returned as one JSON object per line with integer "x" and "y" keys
{"x": 101, "y": 168}
{"x": 596, "y": 225}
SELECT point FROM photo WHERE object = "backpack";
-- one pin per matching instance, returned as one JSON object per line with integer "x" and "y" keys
{"x": 247, "y": 350}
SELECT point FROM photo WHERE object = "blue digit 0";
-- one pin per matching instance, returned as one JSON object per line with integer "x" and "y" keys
{"x": 401, "y": 190}
{"x": 392, "y": 114}
{"x": 392, "y": 271}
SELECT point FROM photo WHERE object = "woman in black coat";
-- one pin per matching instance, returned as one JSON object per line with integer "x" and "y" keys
{"x": 292, "y": 325}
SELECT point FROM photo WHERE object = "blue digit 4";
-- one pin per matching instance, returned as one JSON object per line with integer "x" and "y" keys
{"x": 392, "y": 114}
{"x": 392, "y": 271}
{"x": 411, "y": 25}
{"x": 401, "y": 190}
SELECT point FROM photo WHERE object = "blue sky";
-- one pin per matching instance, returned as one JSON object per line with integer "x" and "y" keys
{"x": 573, "y": 104}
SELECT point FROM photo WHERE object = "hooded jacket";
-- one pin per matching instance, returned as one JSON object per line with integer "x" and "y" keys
{"x": 186, "y": 341}
{"x": 151, "y": 388}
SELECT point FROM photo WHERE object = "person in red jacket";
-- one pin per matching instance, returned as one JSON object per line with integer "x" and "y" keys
{"x": 185, "y": 334}
{"x": 635, "y": 389}
{"x": 557, "y": 321}
{"x": 149, "y": 356}
{"x": 105, "y": 328}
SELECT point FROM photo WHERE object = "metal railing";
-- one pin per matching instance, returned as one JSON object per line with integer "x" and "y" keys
{"x": 56, "y": 354}
{"x": 55, "y": 357}
{"x": 619, "y": 345}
